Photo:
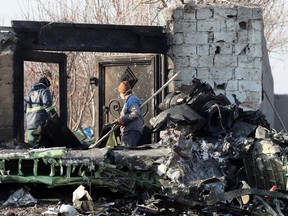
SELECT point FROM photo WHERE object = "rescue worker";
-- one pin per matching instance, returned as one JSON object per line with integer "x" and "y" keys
{"x": 131, "y": 120}
{"x": 38, "y": 107}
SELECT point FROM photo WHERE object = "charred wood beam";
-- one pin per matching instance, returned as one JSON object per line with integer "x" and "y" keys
{"x": 53, "y": 36}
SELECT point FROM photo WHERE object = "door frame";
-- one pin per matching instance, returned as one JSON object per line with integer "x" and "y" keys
{"x": 47, "y": 57}
{"x": 159, "y": 78}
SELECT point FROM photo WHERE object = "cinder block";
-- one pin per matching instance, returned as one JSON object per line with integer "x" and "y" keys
{"x": 224, "y": 13}
{"x": 241, "y": 49}
{"x": 248, "y": 86}
{"x": 255, "y": 50}
{"x": 205, "y": 61}
{"x": 224, "y": 51}
{"x": 178, "y": 38}
{"x": 177, "y": 27}
{"x": 204, "y": 13}
{"x": 244, "y": 13}
{"x": 178, "y": 14}
{"x": 232, "y": 85}
{"x": 230, "y": 25}
{"x": 213, "y": 49}
{"x": 242, "y": 37}
{"x": 203, "y": 73}
{"x": 250, "y": 50}
{"x": 181, "y": 62}
{"x": 194, "y": 61}
{"x": 257, "y": 25}
{"x": 253, "y": 100}
{"x": 249, "y": 62}
{"x": 257, "y": 13}
{"x": 189, "y": 26}
{"x": 196, "y": 38}
{"x": 228, "y": 37}
{"x": 222, "y": 73}
{"x": 186, "y": 75}
{"x": 208, "y": 25}
{"x": 184, "y": 50}
{"x": 224, "y": 48}
{"x": 203, "y": 50}
{"x": 258, "y": 62}
{"x": 255, "y": 36}
{"x": 225, "y": 61}
{"x": 190, "y": 16}
{"x": 201, "y": 61}
{"x": 254, "y": 74}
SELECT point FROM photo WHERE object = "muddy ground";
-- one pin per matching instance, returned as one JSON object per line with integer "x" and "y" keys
{"x": 53, "y": 198}
{"x": 46, "y": 198}
{"x": 24, "y": 211}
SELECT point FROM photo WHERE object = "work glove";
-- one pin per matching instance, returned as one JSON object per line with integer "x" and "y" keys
{"x": 119, "y": 121}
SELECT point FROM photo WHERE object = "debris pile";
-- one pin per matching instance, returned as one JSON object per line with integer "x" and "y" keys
{"x": 195, "y": 109}
{"x": 213, "y": 157}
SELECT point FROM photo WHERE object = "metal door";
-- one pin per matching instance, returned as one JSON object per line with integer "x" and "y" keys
{"x": 145, "y": 72}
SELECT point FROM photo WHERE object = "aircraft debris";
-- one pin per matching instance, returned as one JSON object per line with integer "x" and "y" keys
{"x": 213, "y": 157}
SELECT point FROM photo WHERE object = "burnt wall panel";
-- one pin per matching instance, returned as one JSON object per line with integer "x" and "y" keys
{"x": 90, "y": 37}
{"x": 6, "y": 96}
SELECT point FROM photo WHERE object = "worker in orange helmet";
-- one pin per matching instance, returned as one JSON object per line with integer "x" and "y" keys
{"x": 131, "y": 120}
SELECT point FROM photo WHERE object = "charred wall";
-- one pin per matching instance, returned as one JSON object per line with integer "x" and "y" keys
{"x": 225, "y": 47}
{"x": 7, "y": 50}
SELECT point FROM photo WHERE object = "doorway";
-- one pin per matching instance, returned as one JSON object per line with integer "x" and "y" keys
{"x": 53, "y": 66}
{"x": 145, "y": 74}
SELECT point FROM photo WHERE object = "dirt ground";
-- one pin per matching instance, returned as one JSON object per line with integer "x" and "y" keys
{"x": 46, "y": 198}
{"x": 52, "y": 198}
{"x": 37, "y": 209}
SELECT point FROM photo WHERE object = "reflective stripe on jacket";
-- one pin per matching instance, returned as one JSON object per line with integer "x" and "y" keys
{"x": 38, "y": 104}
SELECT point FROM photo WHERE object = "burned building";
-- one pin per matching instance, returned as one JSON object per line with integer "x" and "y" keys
{"x": 193, "y": 160}
{"x": 223, "y": 46}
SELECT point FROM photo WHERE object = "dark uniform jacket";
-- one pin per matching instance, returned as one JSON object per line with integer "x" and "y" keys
{"x": 131, "y": 115}
{"x": 38, "y": 106}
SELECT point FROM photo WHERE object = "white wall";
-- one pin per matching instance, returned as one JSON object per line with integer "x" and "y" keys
{"x": 222, "y": 46}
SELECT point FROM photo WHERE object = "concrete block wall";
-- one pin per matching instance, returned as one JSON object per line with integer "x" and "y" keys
{"x": 223, "y": 46}
{"x": 7, "y": 47}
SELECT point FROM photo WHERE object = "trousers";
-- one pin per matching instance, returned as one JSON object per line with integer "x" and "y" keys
{"x": 130, "y": 138}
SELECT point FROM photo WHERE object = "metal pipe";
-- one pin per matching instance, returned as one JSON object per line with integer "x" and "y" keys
{"x": 114, "y": 127}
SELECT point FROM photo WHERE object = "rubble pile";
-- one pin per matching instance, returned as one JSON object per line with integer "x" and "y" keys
{"x": 214, "y": 157}
{"x": 197, "y": 110}
{"x": 222, "y": 153}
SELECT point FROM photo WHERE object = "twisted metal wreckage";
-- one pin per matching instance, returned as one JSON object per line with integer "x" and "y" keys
{"x": 213, "y": 156}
